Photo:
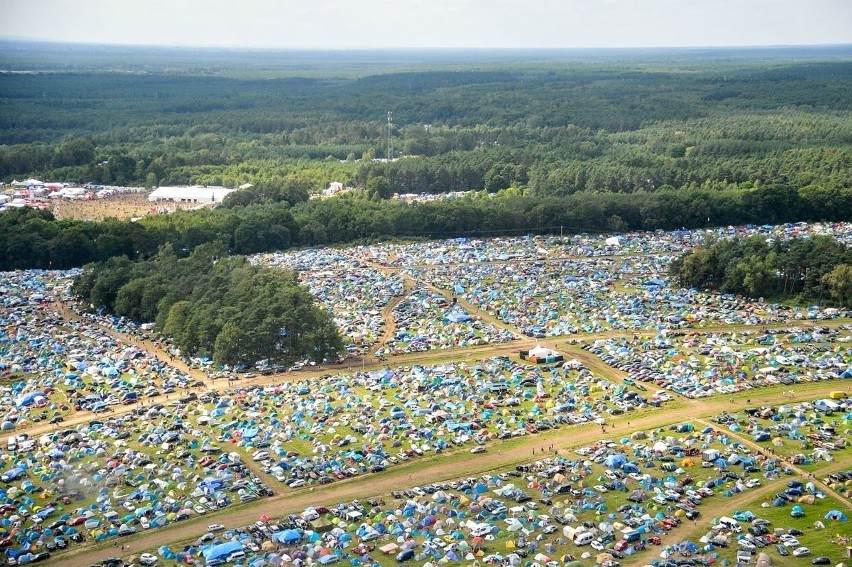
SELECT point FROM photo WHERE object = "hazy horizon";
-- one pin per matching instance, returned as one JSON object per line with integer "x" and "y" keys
{"x": 431, "y": 24}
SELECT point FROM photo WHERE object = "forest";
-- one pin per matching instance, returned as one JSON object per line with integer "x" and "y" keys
{"x": 554, "y": 123}
{"x": 31, "y": 238}
{"x": 544, "y": 140}
{"x": 817, "y": 268}
{"x": 215, "y": 305}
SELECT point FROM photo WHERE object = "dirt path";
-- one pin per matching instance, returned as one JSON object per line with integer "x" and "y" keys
{"x": 387, "y": 312}
{"x": 718, "y": 506}
{"x": 842, "y": 498}
{"x": 124, "y": 206}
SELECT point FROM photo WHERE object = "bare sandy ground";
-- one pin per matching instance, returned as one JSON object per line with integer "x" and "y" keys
{"x": 125, "y": 206}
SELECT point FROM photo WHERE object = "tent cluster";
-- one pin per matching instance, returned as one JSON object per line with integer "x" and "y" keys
{"x": 569, "y": 296}
{"x": 494, "y": 517}
{"x": 51, "y": 370}
{"x": 818, "y": 429}
{"x": 370, "y": 420}
{"x": 426, "y": 320}
{"x": 699, "y": 365}
{"x": 347, "y": 287}
{"x": 88, "y": 484}
{"x": 537, "y": 248}
{"x": 529, "y": 283}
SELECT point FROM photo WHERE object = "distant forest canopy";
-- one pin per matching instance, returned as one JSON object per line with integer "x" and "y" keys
{"x": 544, "y": 140}
{"x": 554, "y": 122}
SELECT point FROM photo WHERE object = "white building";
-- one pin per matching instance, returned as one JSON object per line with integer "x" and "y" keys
{"x": 194, "y": 194}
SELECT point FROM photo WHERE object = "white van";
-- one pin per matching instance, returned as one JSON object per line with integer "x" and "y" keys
{"x": 584, "y": 538}
{"x": 729, "y": 524}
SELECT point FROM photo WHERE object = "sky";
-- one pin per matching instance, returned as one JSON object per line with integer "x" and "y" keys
{"x": 348, "y": 24}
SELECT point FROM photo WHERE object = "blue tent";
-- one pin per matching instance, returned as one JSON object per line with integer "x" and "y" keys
{"x": 458, "y": 316}
{"x": 689, "y": 547}
{"x": 221, "y": 550}
{"x": 14, "y": 473}
{"x": 615, "y": 461}
{"x": 29, "y": 399}
{"x": 383, "y": 374}
{"x": 288, "y": 537}
{"x": 835, "y": 515}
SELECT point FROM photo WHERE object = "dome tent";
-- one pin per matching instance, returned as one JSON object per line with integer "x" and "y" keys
{"x": 835, "y": 515}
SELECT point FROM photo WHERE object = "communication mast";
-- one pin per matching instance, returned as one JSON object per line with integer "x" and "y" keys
{"x": 390, "y": 129}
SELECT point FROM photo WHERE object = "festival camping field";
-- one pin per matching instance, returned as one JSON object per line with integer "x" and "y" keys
{"x": 641, "y": 416}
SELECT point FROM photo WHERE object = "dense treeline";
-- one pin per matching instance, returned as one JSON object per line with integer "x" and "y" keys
{"x": 814, "y": 269}
{"x": 215, "y": 305}
{"x": 31, "y": 238}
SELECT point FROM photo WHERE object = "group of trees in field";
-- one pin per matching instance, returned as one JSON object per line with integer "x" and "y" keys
{"x": 214, "y": 304}
{"x": 815, "y": 269}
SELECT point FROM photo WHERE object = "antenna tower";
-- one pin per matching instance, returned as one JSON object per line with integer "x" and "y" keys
{"x": 390, "y": 129}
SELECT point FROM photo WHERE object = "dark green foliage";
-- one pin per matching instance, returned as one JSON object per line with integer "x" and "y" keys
{"x": 811, "y": 268}
{"x": 215, "y": 305}
{"x": 31, "y": 239}
{"x": 559, "y": 122}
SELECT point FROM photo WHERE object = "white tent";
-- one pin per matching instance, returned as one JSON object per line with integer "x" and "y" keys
{"x": 542, "y": 352}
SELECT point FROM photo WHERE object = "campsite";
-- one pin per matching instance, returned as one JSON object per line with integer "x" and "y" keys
{"x": 604, "y": 500}
{"x": 554, "y": 397}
